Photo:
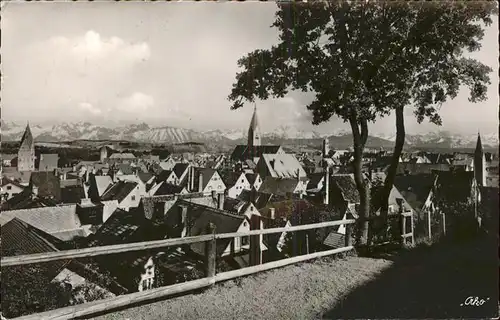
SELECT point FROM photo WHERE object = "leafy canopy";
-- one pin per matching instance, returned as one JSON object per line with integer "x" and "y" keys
{"x": 364, "y": 59}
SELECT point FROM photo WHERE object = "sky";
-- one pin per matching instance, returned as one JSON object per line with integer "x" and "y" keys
{"x": 169, "y": 64}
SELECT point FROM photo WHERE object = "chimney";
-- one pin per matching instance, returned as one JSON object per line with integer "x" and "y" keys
{"x": 272, "y": 214}
{"x": 192, "y": 178}
{"x": 327, "y": 186}
{"x": 200, "y": 182}
{"x": 220, "y": 201}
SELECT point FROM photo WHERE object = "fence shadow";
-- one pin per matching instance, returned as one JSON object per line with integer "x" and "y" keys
{"x": 429, "y": 282}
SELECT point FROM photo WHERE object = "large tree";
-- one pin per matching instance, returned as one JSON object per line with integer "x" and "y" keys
{"x": 366, "y": 60}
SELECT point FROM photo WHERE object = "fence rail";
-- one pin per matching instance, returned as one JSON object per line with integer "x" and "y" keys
{"x": 107, "y": 305}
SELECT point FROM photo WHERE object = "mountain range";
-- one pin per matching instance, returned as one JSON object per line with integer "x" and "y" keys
{"x": 143, "y": 132}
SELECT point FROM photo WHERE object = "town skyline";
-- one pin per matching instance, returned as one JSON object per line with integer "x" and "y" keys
{"x": 80, "y": 53}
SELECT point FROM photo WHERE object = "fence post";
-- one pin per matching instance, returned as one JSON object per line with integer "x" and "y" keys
{"x": 402, "y": 224}
{"x": 348, "y": 235}
{"x": 307, "y": 243}
{"x": 210, "y": 252}
{"x": 429, "y": 212}
{"x": 255, "y": 250}
{"x": 412, "y": 230}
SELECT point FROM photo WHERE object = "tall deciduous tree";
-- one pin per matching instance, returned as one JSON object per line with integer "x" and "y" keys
{"x": 364, "y": 60}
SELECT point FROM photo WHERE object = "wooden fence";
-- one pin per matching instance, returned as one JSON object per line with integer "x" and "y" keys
{"x": 109, "y": 304}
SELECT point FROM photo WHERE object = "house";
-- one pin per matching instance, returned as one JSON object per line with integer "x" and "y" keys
{"x": 254, "y": 179}
{"x": 135, "y": 271}
{"x": 456, "y": 186}
{"x": 235, "y": 182}
{"x": 9, "y": 160}
{"x": 45, "y": 185}
{"x": 188, "y": 219}
{"x": 168, "y": 176}
{"x": 280, "y": 166}
{"x": 98, "y": 185}
{"x": 127, "y": 193}
{"x": 418, "y": 192}
{"x": 283, "y": 186}
{"x": 291, "y": 212}
{"x": 259, "y": 199}
{"x": 126, "y": 157}
{"x": 181, "y": 170}
{"x": 48, "y": 162}
{"x": 21, "y": 177}
{"x": 21, "y": 238}
{"x": 26, "y": 154}
{"x": 203, "y": 180}
{"x": 10, "y": 188}
{"x": 343, "y": 193}
{"x": 72, "y": 194}
{"x": 61, "y": 222}
{"x": 26, "y": 199}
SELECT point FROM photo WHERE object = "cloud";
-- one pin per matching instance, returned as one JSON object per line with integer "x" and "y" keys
{"x": 93, "y": 46}
{"x": 90, "y": 108}
{"x": 136, "y": 103}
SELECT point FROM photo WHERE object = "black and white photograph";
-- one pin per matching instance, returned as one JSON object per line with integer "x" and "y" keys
{"x": 165, "y": 160}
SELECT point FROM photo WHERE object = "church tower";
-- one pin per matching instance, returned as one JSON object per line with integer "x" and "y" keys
{"x": 479, "y": 163}
{"x": 326, "y": 148}
{"x": 26, "y": 153}
{"x": 254, "y": 131}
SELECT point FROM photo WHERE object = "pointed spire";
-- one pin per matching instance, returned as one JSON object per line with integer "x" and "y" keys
{"x": 479, "y": 144}
{"x": 27, "y": 139}
{"x": 254, "y": 123}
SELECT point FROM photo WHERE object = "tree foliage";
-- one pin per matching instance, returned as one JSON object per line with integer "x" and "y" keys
{"x": 364, "y": 60}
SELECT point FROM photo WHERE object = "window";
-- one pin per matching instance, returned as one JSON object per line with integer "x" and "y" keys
{"x": 133, "y": 198}
{"x": 244, "y": 241}
{"x": 242, "y": 181}
{"x": 9, "y": 187}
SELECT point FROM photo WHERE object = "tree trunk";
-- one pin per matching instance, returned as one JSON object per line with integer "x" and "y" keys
{"x": 391, "y": 172}
{"x": 359, "y": 141}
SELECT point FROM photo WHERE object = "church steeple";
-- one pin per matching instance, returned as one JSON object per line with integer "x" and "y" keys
{"x": 26, "y": 153}
{"x": 254, "y": 138}
{"x": 479, "y": 162}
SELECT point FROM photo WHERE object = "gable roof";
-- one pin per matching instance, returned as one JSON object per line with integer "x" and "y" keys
{"x": 251, "y": 177}
{"x": 48, "y": 161}
{"x": 120, "y": 227}
{"x": 335, "y": 240}
{"x": 454, "y": 185}
{"x": 6, "y": 181}
{"x": 102, "y": 183}
{"x": 122, "y": 156}
{"x": 26, "y": 200}
{"x": 281, "y": 187}
{"x": 119, "y": 191}
{"x": 242, "y": 153}
{"x": 198, "y": 219}
{"x": 164, "y": 175}
{"x": 206, "y": 173}
{"x": 230, "y": 177}
{"x": 415, "y": 188}
{"x": 48, "y": 184}
{"x": 48, "y": 219}
{"x": 345, "y": 183}
{"x": 168, "y": 188}
{"x": 179, "y": 169}
{"x": 20, "y": 238}
{"x": 283, "y": 165}
{"x": 315, "y": 179}
{"x": 145, "y": 176}
{"x": 259, "y": 199}
{"x": 72, "y": 194}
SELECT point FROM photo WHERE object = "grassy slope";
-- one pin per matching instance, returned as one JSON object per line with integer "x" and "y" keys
{"x": 424, "y": 283}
